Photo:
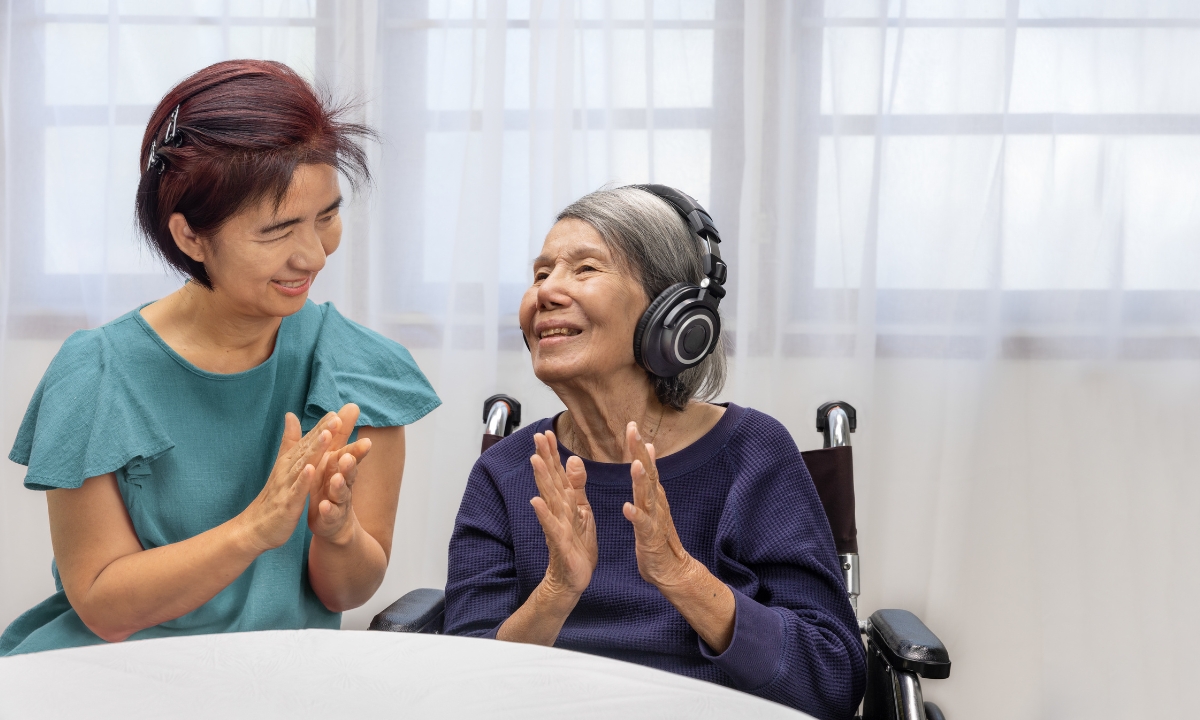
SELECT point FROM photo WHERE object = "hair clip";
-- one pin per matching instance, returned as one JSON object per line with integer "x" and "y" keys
{"x": 154, "y": 158}
{"x": 172, "y": 135}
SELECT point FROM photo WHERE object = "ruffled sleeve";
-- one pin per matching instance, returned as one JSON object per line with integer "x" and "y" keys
{"x": 85, "y": 419}
{"x": 354, "y": 364}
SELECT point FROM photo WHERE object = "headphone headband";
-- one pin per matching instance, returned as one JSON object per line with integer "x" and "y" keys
{"x": 682, "y": 326}
{"x": 700, "y": 225}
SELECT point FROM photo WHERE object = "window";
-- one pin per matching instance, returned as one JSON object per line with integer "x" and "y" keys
{"x": 93, "y": 72}
{"x": 1011, "y": 164}
{"x": 932, "y": 176}
{"x": 498, "y": 123}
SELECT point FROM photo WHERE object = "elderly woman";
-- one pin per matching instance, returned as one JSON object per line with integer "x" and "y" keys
{"x": 183, "y": 496}
{"x": 679, "y": 534}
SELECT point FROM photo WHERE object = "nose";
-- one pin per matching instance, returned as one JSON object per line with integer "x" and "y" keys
{"x": 309, "y": 254}
{"x": 552, "y": 293}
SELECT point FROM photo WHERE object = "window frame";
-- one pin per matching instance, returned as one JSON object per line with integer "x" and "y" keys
{"x": 45, "y": 305}
{"x": 1018, "y": 324}
{"x": 810, "y": 321}
{"x": 406, "y": 121}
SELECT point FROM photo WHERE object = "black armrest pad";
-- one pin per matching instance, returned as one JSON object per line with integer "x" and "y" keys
{"x": 420, "y": 610}
{"x": 906, "y": 643}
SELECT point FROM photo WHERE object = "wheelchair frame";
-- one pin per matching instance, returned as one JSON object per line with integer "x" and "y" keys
{"x": 900, "y": 648}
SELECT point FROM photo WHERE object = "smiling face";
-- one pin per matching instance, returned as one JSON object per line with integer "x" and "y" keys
{"x": 582, "y": 309}
{"x": 263, "y": 260}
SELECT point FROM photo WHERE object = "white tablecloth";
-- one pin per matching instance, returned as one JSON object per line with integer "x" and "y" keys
{"x": 331, "y": 674}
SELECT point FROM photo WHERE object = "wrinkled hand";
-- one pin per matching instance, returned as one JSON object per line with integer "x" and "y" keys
{"x": 330, "y": 512}
{"x": 566, "y": 517}
{"x": 661, "y": 559}
{"x": 271, "y": 517}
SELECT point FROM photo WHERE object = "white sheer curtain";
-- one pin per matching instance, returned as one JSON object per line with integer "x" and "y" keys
{"x": 975, "y": 220}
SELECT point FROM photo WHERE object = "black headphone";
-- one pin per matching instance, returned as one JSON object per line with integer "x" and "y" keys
{"x": 681, "y": 327}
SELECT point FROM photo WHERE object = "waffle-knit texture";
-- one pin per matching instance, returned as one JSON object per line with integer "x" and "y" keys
{"x": 743, "y": 504}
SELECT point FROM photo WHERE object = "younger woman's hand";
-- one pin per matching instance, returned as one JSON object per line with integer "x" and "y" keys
{"x": 566, "y": 518}
{"x": 271, "y": 517}
{"x": 330, "y": 512}
{"x": 661, "y": 558}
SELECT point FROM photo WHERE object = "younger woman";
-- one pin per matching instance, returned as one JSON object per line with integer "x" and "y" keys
{"x": 205, "y": 456}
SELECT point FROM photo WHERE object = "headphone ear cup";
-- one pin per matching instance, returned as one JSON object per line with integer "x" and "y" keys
{"x": 649, "y": 327}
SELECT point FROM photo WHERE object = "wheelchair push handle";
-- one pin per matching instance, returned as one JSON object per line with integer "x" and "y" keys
{"x": 832, "y": 471}
{"x": 836, "y": 420}
{"x": 501, "y": 415}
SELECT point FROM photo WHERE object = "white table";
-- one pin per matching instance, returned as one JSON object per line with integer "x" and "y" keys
{"x": 331, "y": 674}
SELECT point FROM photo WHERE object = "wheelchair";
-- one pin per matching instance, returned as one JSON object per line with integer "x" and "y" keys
{"x": 900, "y": 648}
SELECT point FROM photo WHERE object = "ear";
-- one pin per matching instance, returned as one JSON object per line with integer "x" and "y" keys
{"x": 185, "y": 238}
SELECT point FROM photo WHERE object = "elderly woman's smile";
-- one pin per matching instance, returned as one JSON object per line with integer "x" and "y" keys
{"x": 549, "y": 331}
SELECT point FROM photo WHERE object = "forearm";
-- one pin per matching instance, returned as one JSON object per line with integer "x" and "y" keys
{"x": 150, "y": 587}
{"x": 705, "y": 602}
{"x": 540, "y": 619}
{"x": 346, "y": 569}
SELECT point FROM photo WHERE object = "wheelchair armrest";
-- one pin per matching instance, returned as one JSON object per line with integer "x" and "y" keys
{"x": 419, "y": 611}
{"x": 907, "y": 644}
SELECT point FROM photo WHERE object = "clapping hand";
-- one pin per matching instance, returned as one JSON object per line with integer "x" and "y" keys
{"x": 329, "y": 507}
{"x": 566, "y": 517}
{"x": 271, "y": 517}
{"x": 662, "y": 560}
{"x": 562, "y": 508}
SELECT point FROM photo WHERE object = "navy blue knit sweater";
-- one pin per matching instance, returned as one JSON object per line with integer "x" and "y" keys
{"x": 743, "y": 504}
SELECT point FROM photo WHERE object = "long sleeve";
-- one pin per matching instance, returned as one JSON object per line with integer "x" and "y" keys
{"x": 482, "y": 589}
{"x": 795, "y": 640}
{"x": 743, "y": 505}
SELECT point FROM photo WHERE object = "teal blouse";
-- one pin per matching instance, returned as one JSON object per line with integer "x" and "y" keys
{"x": 191, "y": 449}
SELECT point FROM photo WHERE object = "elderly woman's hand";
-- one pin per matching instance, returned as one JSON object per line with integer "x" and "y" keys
{"x": 563, "y": 511}
{"x": 661, "y": 558}
{"x": 566, "y": 518}
{"x": 330, "y": 512}
{"x": 703, "y": 599}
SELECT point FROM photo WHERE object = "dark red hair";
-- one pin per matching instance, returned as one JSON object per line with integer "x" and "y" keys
{"x": 244, "y": 126}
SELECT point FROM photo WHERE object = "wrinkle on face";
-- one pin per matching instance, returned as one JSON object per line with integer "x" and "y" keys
{"x": 579, "y": 282}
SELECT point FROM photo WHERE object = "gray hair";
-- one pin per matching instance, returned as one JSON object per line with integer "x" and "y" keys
{"x": 650, "y": 238}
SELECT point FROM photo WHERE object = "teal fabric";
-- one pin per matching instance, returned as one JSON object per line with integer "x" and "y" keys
{"x": 191, "y": 449}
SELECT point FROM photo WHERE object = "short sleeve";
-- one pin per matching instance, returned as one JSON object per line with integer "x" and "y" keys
{"x": 85, "y": 419}
{"x": 354, "y": 364}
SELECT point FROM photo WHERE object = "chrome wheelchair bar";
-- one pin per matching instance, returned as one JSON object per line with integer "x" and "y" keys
{"x": 837, "y": 434}
{"x": 849, "y": 563}
{"x": 910, "y": 703}
{"x": 497, "y": 419}
{"x": 837, "y": 427}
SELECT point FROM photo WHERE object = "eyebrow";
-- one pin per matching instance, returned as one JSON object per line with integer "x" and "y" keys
{"x": 288, "y": 223}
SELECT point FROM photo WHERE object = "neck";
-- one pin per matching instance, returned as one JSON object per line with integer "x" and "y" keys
{"x": 210, "y": 332}
{"x": 216, "y": 321}
{"x": 598, "y": 411}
